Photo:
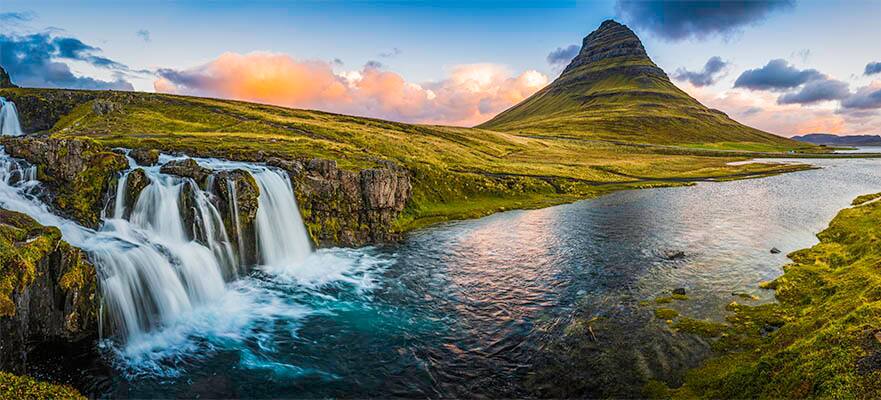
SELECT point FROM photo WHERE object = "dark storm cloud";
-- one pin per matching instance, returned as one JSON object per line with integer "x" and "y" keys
{"x": 873, "y": 68}
{"x": 33, "y": 60}
{"x": 710, "y": 74}
{"x": 776, "y": 75}
{"x": 816, "y": 91}
{"x": 678, "y": 20}
{"x": 562, "y": 55}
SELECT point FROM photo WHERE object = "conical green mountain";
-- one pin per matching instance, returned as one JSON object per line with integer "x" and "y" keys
{"x": 613, "y": 91}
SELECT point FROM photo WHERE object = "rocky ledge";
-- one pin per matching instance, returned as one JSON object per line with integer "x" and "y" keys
{"x": 79, "y": 172}
{"x": 48, "y": 290}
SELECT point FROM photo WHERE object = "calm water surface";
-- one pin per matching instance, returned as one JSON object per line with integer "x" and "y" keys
{"x": 475, "y": 308}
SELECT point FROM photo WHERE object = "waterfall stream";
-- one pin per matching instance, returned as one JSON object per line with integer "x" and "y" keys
{"x": 9, "y": 125}
{"x": 151, "y": 269}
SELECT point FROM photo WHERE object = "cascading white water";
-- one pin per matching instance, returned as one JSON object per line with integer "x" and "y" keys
{"x": 151, "y": 268}
{"x": 9, "y": 124}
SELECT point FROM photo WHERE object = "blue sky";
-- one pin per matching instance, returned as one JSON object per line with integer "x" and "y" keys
{"x": 426, "y": 43}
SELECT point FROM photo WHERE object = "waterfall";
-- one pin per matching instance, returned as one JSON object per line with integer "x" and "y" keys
{"x": 9, "y": 125}
{"x": 165, "y": 260}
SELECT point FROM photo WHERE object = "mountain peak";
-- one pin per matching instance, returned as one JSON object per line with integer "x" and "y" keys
{"x": 610, "y": 40}
{"x": 613, "y": 91}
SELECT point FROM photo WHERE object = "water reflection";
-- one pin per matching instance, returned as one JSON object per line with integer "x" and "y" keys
{"x": 481, "y": 308}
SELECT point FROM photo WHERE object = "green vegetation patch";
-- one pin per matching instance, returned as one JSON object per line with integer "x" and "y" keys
{"x": 666, "y": 313}
{"x": 865, "y": 199}
{"x": 23, "y": 245}
{"x": 23, "y": 387}
{"x": 821, "y": 340}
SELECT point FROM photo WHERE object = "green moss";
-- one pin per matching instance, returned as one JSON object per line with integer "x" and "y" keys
{"x": 822, "y": 339}
{"x": 865, "y": 198}
{"x": 23, "y": 245}
{"x": 23, "y": 387}
{"x": 699, "y": 327}
{"x": 666, "y": 313}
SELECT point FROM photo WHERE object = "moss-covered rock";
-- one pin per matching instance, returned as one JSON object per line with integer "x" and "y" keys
{"x": 347, "y": 208}
{"x": 48, "y": 289}
{"x": 187, "y": 168}
{"x": 145, "y": 157}
{"x": 80, "y": 172}
{"x": 238, "y": 195}
{"x": 135, "y": 183}
{"x": 23, "y": 387}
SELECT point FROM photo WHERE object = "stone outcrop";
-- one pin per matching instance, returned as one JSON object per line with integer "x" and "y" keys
{"x": 39, "y": 111}
{"x": 145, "y": 157}
{"x": 348, "y": 208}
{"x": 5, "y": 81}
{"x": 135, "y": 183}
{"x": 48, "y": 290}
{"x": 238, "y": 194}
{"x": 79, "y": 172}
{"x": 187, "y": 168}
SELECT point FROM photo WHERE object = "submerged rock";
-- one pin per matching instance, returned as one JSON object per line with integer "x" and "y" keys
{"x": 48, "y": 290}
{"x": 775, "y": 250}
{"x": 679, "y": 291}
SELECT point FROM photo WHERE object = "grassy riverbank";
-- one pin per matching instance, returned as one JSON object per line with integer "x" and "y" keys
{"x": 822, "y": 339}
{"x": 457, "y": 172}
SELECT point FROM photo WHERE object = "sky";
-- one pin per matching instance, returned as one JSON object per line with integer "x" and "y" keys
{"x": 788, "y": 67}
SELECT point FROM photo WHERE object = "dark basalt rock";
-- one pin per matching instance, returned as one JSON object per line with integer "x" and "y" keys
{"x": 611, "y": 40}
{"x": 187, "y": 168}
{"x": 347, "y": 208}
{"x": 79, "y": 172}
{"x": 246, "y": 198}
{"x": 50, "y": 290}
{"x": 775, "y": 250}
{"x": 135, "y": 183}
{"x": 5, "y": 81}
{"x": 145, "y": 157}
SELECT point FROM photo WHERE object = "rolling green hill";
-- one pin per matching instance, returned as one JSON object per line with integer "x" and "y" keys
{"x": 613, "y": 91}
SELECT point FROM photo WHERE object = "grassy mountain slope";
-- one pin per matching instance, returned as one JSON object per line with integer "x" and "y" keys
{"x": 457, "y": 172}
{"x": 613, "y": 91}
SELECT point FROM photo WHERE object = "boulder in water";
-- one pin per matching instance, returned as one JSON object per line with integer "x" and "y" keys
{"x": 775, "y": 250}
{"x": 238, "y": 195}
{"x": 135, "y": 183}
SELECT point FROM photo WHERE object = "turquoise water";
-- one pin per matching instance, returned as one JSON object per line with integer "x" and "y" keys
{"x": 476, "y": 308}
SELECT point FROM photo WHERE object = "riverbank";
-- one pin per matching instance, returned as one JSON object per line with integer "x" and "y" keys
{"x": 821, "y": 339}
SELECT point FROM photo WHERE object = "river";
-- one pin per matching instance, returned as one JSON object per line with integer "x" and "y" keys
{"x": 477, "y": 308}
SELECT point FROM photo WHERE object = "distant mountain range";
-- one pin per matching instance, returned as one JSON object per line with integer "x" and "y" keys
{"x": 835, "y": 140}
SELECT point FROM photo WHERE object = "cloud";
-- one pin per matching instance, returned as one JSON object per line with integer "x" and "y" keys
{"x": 709, "y": 75}
{"x": 679, "y": 20}
{"x": 873, "y": 68}
{"x": 470, "y": 94}
{"x": 562, "y": 55}
{"x": 866, "y": 98}
{"x": 816, "y": 91}
{"x": 35, "y": 60}
{"x": 394, "y": 52}
{"x": 17, "y": 17}
{"x": 144, "y": 35}
{"x": 776, "y": 75}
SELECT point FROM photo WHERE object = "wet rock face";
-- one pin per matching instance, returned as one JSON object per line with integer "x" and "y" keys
{"x": 135, "y": 183}
{"x": 346, "y": 208}
{"x": 187, "y": 168}
{"x": 80, "y": 173}
{"x": 239, "y": 187}
{"x": 48, "y": 290}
